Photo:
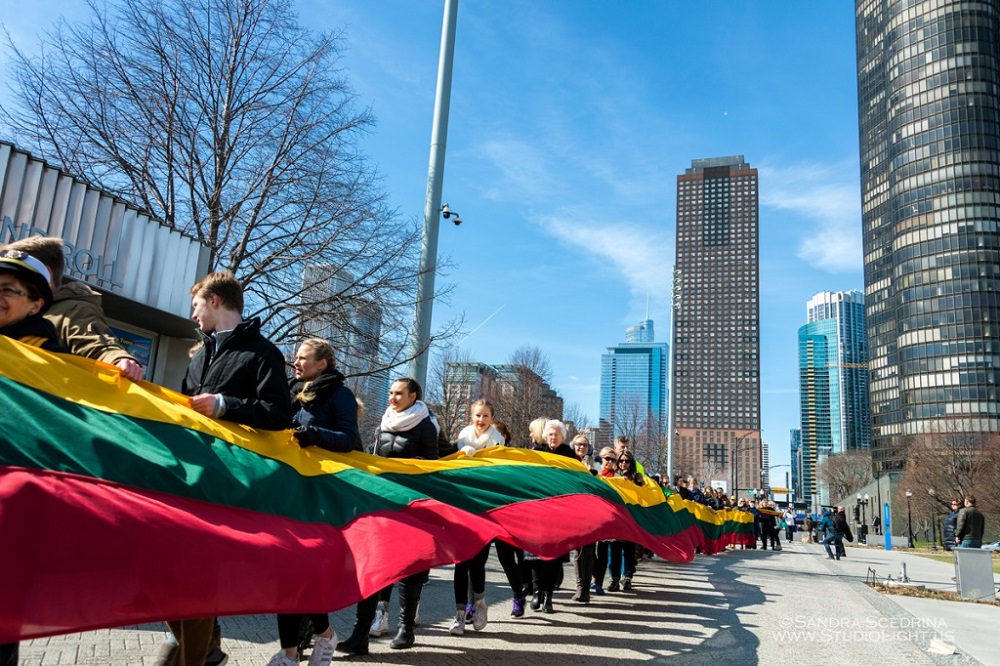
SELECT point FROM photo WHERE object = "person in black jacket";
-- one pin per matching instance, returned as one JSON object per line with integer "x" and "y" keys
{"x": 326, "y": 411}
{"x": 949, "y": 526}
{"x": 407, "y": 431}
{"x": 235, "y": 375}
{"x": 326, "y": 416}
{"x": 545, "y": 573}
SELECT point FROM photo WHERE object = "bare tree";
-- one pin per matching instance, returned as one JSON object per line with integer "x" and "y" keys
{"x": 628, "y": 416}
{"x": 576, "y": 420}
{"x": 845, "y": 472}
{"x": 651, "y": 446}
{"x": 453, "y": 387}
{"x": 230, "y": 122}
{"x": 955, "y": 460}
{"x": 524, "y": 392}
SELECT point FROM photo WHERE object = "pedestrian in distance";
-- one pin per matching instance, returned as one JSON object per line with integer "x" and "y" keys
{"x": 970, "y": 525}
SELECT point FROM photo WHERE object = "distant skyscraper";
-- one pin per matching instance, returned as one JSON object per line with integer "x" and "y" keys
{"x": 352, "y": 325}
{"x": 634, "y": 387}
{"x": 717, "y": 330}
{"x": 795, "y": 437}
{"x": 641, "y": 332}
{"x": 929, "y": 117}
{"x": 833, "y": 381}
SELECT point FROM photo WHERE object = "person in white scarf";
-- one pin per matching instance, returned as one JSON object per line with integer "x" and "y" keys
{"x": 475, "y": 437}
{"x": 480, "y": 434}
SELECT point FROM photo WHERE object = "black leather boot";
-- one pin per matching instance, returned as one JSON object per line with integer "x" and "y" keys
{"x": 409, "y": 599}
{"x": 357, "y": 643}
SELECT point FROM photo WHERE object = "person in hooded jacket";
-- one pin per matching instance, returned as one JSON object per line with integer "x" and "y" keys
{"x": 325, "y": 416}
{"x": 407, "y": 430}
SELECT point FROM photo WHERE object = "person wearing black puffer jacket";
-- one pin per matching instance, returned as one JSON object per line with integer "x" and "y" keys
{"x": 407, "y": 431}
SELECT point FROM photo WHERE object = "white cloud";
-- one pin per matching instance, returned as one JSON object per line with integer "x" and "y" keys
{"x": 828, "y": 197}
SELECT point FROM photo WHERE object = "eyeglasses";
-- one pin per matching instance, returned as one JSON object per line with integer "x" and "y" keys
{"x": 11, "y": 292}
{"x": 608, "y": 459}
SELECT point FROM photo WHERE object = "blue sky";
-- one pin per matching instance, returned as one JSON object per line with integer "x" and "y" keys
{"x": 570, "y": 121}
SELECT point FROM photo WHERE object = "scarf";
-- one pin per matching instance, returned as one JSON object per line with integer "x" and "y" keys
{"x": 306, "y": 392}
{"x": 468, "y": 437}
{"x": 393, "y": 421}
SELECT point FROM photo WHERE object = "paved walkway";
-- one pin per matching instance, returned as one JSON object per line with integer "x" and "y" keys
{"x": 740, "y": 607}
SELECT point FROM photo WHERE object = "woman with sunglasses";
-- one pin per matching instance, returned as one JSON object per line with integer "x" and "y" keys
{"x": 607, "y": 460}
{"x": 622, "y": 553}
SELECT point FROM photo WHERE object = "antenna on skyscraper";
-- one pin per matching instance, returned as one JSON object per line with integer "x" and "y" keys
{"x": 647, "y": 305}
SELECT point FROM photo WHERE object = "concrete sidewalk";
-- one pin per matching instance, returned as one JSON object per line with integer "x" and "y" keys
{"x": 739, "y": 607}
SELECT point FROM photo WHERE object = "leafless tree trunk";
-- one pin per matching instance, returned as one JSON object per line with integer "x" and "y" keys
{"x": 955, "y": 460}
{"x": 229, "y": 122}
{"x": 845, "y": 472}
{"x": 524, "y": 393}
{"x": 452, "y": 388}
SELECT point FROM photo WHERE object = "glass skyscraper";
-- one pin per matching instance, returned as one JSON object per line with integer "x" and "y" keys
{"x": 634, "y": 386}
{"x": 929, "y": 116}
{"x": 833, "y": 381}
{"x": 716, "y": 338}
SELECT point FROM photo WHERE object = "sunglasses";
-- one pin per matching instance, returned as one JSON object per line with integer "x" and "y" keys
{"x": 608, "y": 459}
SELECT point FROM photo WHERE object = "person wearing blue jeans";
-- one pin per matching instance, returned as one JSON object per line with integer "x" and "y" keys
{"x": 838, "y": 529}
{"x": 970, "y": 525}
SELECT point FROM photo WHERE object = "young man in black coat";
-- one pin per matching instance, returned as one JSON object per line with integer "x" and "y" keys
{"x": 235, "y": 375}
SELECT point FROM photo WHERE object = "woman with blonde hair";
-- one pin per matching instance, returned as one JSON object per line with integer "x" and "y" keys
{"x": 475, "y": 437}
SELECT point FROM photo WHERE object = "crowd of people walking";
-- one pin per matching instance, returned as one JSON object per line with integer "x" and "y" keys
{"x": 235, "y": 374}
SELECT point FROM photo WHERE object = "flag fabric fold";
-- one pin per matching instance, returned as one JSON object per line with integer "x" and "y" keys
{"x": 119, "y": 505}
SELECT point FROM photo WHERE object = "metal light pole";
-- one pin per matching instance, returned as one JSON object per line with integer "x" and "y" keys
{"x": 909, "y": 520}
{"x": 864, "y": 520}
{"x": 933, "y": 518}
{"x": 863, "y": 509}
{"x": 675, "y": 308}
{"x": 432, "y": 202}
{"x": 736, "y": 453}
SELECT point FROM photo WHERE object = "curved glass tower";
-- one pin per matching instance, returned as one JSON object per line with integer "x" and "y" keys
{"x": 928, "y": 106}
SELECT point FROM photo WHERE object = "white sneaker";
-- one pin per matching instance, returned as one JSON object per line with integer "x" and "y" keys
{"x": 322, "y": 652}
{"x": 282, "y": 659}
{"x": 479, "y": 619}
{"x": 458, "y": 626}
{"x": 381, "y": 623}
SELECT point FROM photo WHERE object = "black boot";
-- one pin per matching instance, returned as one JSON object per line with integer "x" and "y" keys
{"x": 409, "y": 599}
{"x": 547, "y": 604}
{"x": 357, "y": 644}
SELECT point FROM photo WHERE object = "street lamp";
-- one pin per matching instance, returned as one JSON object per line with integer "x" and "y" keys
{"x": 909, "y": 520}
{"x": 859, "y": 519}
{"x": 863, "y": 501}
{"x": 933, "y": 518}
{"x": 737, "y": 446}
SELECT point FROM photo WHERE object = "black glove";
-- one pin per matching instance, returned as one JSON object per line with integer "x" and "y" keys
{"x": 307, "y": 435}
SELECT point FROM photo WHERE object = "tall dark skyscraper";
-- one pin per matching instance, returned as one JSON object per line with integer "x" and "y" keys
{"x": 929, "y": 114}
{"x": 717, "y": 332}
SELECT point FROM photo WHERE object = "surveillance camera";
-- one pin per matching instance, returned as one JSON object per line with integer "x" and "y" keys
{"x": 458, "y": 220}
{"x": 445, "y": 211}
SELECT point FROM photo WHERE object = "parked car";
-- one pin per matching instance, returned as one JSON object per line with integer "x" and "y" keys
{"x": 995, "y": 546}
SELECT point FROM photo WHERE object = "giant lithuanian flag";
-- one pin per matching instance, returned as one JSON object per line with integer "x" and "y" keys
{"x": 119, "y": 505}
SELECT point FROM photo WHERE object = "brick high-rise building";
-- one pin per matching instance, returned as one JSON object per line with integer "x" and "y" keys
{"x": 717, "y": 330}
{"x": 929, "y": 121}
